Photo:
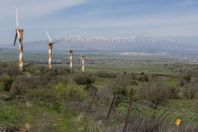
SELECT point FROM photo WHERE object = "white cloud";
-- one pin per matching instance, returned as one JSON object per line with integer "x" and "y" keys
{"x": 35, "y": 8}
{"x": 143, "y": 21}
{"x": 171, "y": 21}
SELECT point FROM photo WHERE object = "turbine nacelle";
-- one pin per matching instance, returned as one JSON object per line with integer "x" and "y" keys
{"x": 50, "y": 41}
{"x": 82, "y": 57}
{"x": 51, "y": 44}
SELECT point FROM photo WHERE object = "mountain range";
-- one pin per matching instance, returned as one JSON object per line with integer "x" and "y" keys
{"x": 137, "y": 44}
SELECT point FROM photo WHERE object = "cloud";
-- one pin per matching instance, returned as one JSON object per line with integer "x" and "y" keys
{"x": 36, "y": 8}
{"x": 184, "y": 3}
{"x": 139, "y": 21}
{"x": 100, "y": 17}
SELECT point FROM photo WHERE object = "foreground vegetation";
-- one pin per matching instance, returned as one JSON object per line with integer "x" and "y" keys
{"x": 60, "y": 100}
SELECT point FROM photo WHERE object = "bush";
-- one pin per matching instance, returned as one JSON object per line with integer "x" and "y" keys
{"x": 31, "y": 69}
{"x": 186, "y": 78}
{"x": 148, "y": 124}
{"x": 23, "y": 83}
{"x": 61, "y": 92}
{"x": 18, "y": 86}
{"x": 104, "y": 74}
{"x": 58, "y": 79}
{"x": 28, "y": 82}
{"x": 190, "y": 90}
{"x": 156, "y": 124}
{"x": 143, "y": 77}
{"x": 154, "y": 92}
{"x": 121, "y": 87}
{"x": 173, "y": 93}
{"x": 91, "y": 89}
{"x": 6, "y": 82}
{"x": 71, "y": 92}
{"x": 62, "y": 71}
{"x": 84, "y": 78}
{"x": 8, "y": 114}
{"x": 48, "y": 75}
{"x": 10, "y": 69}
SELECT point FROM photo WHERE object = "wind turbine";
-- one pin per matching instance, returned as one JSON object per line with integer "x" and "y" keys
{"x": 70, "y": 58}
{"x": 50, "y": 46}
{"x": 82, "y": 60}
{"x": 19, "y": 36}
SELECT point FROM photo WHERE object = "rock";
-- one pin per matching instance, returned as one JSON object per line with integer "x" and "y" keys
{"x": 27, "y": 126}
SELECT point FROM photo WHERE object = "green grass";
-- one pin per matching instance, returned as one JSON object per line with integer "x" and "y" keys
{"x": 187, "y": 110}
{"x": 42, "y": 117}
{"x": 46, "y": 117}
{"x": 136, "y": 68}
{"x": 173, "y": 82}
{"x": 8, "y": 114}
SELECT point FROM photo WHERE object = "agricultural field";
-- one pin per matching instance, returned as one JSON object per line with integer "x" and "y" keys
{"x": 138, "y": 95}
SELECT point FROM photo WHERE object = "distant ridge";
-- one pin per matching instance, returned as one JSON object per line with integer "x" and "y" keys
{"x": 136, "y": 44}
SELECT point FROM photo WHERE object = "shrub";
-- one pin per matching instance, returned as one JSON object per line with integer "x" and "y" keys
{"x": 8, "y": 114}
{"x": 91, "y": 89}
{"x": 104, "y": 74}
{"x": 48, "y": 75}
{"x": 190, "y": 90}
{"x": 186, "y": 78}
{"x": 154, "y": 92}
{"x": 143, "y": 77}
{"x": 10, "y": 69}
{"x": 6, "y": 81}
{"x": 61, "y": 92}
{"x": 87, "y": 124}
{"x": 158, "y": 123}
{"x": 27, "y": 82}
{"x": 31, "y": 68}
{"x": 23, "y": 83}
{"x": 84, "y": 78}
{"x": 148, "y": 124}
{"x": 121, "y": 87}
{"x": 71, "y": 92}
{"x": 173, "y": 92}
{"x": 62, "y": 71}
{"x": 59, "y": 79}
{"x": 18, "y": 86}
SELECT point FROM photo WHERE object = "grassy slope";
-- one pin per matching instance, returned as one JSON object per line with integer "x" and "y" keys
{"x": 36, "y": 113}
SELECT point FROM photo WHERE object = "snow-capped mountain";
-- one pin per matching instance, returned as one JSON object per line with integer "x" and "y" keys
{"x": 134, "y": 44}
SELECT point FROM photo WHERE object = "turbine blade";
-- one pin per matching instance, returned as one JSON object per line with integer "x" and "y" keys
{"x": 16, "y": 35}
{"x": 17, "y": 17}
{"x": 57, "y": 41}
{"x": 48, "y": 36}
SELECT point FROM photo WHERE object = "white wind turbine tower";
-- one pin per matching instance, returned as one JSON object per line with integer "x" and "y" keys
{"x": 82, "y": 60}
{"x": 70, "y": 58}
{"x": 19, "y": 36}
{"x": 50, "y": 46}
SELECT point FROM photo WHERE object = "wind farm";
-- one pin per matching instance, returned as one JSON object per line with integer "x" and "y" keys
{"x": 101, "y": 66}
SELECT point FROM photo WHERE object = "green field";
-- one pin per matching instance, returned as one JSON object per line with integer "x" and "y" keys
{"x": 60, "y": 100}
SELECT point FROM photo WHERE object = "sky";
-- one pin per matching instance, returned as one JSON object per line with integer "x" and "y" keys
{"x": 104, "y": 18}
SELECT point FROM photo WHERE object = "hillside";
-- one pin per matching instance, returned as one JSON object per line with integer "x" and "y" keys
{"x": 99, "y": 99}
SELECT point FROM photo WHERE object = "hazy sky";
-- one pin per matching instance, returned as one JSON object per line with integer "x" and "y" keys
{"x": 120, "y": 18}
